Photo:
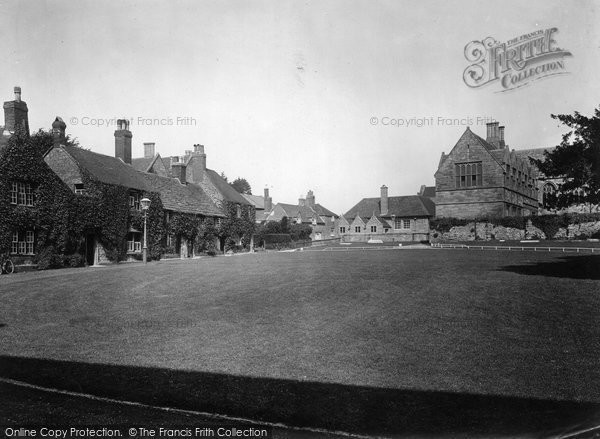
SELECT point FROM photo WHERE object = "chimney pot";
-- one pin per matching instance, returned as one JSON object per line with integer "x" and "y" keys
{"x": 58, "y": 131}
{"x": 18, "y": 94}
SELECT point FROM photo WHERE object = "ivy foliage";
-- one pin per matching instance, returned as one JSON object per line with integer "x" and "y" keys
{"x": 237, "y": 227}
{"x": 61, "y": 220}
{"x": 22, "y": 161}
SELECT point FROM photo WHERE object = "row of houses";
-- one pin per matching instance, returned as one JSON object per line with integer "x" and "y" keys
{"x": 184, "y": 183}
{"x": 477, "y": 177}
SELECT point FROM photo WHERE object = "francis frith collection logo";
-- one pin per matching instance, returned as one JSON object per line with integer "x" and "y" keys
{"x": 515, "y": 63}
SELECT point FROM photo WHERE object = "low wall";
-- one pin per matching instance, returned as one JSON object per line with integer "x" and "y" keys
{"x": 386, "y": 237}
{"x": 485, "y": 231}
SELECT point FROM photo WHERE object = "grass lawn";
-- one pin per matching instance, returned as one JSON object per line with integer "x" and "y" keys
{"x": 502, "y": 324}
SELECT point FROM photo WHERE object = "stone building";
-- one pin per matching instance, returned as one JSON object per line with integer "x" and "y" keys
{"x": 397, "y": 218}
{"x": 480, "y": 178}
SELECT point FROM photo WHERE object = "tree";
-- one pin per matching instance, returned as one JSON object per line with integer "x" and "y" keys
{"x": 223, "y": 176}
{"x": 242, "y": 186}
{"x": 576, "y": 160}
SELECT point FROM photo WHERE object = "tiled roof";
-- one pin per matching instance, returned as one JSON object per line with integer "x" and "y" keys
{"x": 256, "y": 200}
{"x": 294, "y": 211}
{"x": 228, "y": 192}
{"x": 189, "y": 198}
{"x": 429, "y": 192}
{"x": 142, "y": 163}
{"x": 323, "y": 211}
{"x": 107, "y": 169}
{"x": 403, "y": 206}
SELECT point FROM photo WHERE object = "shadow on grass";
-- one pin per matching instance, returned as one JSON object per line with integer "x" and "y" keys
{"x": 575, "y": 267}
{"x": 332, "y": 406}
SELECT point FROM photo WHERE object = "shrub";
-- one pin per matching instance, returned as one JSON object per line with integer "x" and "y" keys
{"x": 74, "y": 260}
{"x": 549, "y": 224}
{"x": 445, "y": 224}
{"x": 49, "y": 258}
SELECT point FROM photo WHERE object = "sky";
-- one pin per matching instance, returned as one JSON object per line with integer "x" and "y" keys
{"x": 293, "y": 95}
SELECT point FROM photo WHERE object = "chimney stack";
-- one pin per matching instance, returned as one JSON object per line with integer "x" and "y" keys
{"x": 310, "y": 199}
{"x": 501, "y": 137}
{"x": 123, "y": 141}
{"x": 268, "y": 201}
{"x": 384, "y": 200}
{"x": 301, "y": 201}
{"x": 178, "y": 169}
{"x": 493, "y": 133}
{"x": 58, "y": 131}
{"x": 149, "y": 150}
{"x": 15, "y": 114}
{"x": 199, "y": 152}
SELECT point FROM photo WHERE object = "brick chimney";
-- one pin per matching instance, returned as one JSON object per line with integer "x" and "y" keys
{"x": 384, "y": 200}
{"x": 268, "y": 201}
{"x": 310, "y": 199}
{"x": 123, "y": 141}
{"x": 149, "y": 150}
{"x": 301, "y": 201}
{"x": 58, "y": 131}
{"x": 178, "y": 169}
{"x": 15, "y": 114}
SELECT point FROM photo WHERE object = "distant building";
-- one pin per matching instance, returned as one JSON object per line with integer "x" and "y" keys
{"x": 385, "y": 218}
{"x": 262, "y": 205}
{"x": 307, "y": 211}
{"x": 485, "y": 178}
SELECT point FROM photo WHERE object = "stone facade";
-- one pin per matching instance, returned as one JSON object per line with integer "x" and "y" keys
{"x": 484, "y": 178}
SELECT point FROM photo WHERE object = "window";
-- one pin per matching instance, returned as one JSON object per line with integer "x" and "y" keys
{"x": 134, "y": 201}
{"x": 170, "y": 240}
{"x": 342, "y": 229}
{"x": 133, "y": 242}
{"x": 22, "y": 243}
{"x": 397, "y": 223}
{"x": 21, "y": 194}
{"x": 239, "y": 211}
{"x": 406, "y": 224}
{"x": 314, "y": 221}
{"x": 373, "y": 229}
{"x": 357, "y": 229}
{"x": 79, "y": 190}
{"x": 468, "y": 174}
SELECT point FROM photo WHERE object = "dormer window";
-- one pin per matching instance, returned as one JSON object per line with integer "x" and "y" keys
{"x": 314, "y": 221}
{"x": 298, "y": 220}
{"x": 21, "y": 194}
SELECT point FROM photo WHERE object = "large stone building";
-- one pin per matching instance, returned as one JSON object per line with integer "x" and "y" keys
{"x": 479, "y": 178}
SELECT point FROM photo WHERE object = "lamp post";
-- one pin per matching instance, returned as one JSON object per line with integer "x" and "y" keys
{"x": 145, "y": 202}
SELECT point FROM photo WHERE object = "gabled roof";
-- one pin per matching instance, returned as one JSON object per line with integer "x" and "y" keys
{"x": 107, "y": 169}
{"x": 256, "y": 200}
{"x": 305, "y": 213}
{"x": 189, "y": 198}
{"x": 324, "y": 211}
{"x": 144, "y": 164}
{"x": 226, "y": 190}
{"x": 403, "y": 206}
